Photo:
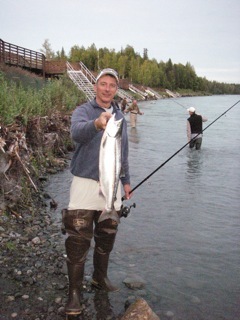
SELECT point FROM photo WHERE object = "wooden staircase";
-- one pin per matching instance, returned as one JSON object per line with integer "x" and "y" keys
{"x": 153, "y": 93}
{"x": 136, "y": 90}
{"x": 85, "y": 80}
{"x": 82, "y": 80}
{"x": 123, "y": 94}
{"x": 172, "y": 94}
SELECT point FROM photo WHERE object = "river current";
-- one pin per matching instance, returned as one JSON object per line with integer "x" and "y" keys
{"x": 183, "y": 237}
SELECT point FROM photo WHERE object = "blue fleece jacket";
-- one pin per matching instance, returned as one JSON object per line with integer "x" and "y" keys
{"x": 87, "y": 139}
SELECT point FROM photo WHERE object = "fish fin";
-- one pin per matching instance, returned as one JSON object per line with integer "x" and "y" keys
{"x": 109, "y": 215}
{"x": 101, "y": 193}
{"x": 104, "y": 141}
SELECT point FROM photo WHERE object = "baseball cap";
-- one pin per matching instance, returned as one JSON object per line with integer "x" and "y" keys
{"x": 108, "y": 71}
{"x": 191, "y": 109}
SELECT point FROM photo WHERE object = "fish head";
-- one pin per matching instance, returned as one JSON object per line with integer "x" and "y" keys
{"x": 114, "y": 127}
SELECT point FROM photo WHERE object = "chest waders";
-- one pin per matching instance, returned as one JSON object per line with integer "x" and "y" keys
{"x": 133, "y": 119}
{"x": 81, "y": 226}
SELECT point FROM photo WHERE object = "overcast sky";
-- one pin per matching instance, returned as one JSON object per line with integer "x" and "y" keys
{"x": 205, "y": 33}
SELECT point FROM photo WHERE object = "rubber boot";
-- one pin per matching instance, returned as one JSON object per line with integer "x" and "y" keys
{"x": 100, "y": 279}
{"x": 78, "y": 226}
{"x": 75, "y": 273}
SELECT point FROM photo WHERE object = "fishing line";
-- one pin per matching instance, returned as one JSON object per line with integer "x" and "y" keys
{"x": 152, "y": 173}
{"x": 180, "y": 104}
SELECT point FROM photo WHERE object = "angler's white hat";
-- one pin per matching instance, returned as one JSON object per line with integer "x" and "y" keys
{"x": 108, "y": 71}
{"x": 191, "y": 109}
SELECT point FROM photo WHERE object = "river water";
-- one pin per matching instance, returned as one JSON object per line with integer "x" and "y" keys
{"x": 183, "y": 237}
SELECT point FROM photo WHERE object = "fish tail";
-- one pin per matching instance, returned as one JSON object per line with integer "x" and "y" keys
{"x": 109, "y": 215}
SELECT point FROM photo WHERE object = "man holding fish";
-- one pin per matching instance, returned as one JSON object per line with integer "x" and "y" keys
{"x": 99, "y": 167}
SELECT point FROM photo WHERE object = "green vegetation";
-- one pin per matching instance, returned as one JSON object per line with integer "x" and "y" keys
{"x": 10, "y": 246}
{"x": 35, "y": 97}
{"x": 34, "y": 134}
{"x": 141, "y": 70}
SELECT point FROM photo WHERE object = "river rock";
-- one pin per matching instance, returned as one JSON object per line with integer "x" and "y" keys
{"x": 36, "y": 240}
{"x": 139, "y": 310}
{"x": 134, "y": 282}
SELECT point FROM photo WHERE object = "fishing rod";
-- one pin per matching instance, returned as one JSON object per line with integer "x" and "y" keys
{"x": 159, "y": 167}
{"x": 180, "y": 104}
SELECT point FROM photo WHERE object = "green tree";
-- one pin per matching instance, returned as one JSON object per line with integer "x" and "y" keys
{"x": 77, "y": 53}
{"x": 134, "y": 71}
{"x": 47, "y": 50}
{"x": 91, "y": 58}
{"x": 61, "y": 55}
{"x": 170, "y": 75}
{"x": 145, "y": 54}
{"x": 150, "y": 73}
{"x": 122, "y": 64}
{"x": 191, "y": 76}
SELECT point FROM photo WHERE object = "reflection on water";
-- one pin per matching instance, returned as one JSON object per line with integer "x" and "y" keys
{"x": 133, "y": 135}
{"x": 102, "y": 305}
{"x": 183, "y": 238}
{"x": 194, "y": 164}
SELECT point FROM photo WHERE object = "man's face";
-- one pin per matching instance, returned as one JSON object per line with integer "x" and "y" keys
{"x": 105, "y": 89}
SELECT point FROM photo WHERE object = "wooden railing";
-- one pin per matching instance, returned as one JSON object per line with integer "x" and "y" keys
{"x": 18, "y": 56}
{"x": 33, "y": 61}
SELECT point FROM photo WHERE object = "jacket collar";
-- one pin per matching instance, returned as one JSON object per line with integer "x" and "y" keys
{"x": 113, "y": 104}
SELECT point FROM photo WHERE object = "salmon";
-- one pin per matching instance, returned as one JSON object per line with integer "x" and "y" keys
{"x": 110, "y": 167}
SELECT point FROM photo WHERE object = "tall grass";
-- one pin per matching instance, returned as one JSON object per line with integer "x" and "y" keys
{"x": 17, "y": 99}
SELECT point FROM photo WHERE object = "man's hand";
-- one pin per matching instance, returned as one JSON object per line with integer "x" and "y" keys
{"x": 127, "y": 189}
{"x": 101, "y": 122}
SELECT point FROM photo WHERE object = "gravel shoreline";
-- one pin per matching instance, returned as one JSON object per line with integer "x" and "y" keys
{"x": 33, "y": 274}
{"x": 31, "y": 279}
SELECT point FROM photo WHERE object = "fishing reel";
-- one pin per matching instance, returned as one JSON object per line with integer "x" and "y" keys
{"x": 125, "y": 210}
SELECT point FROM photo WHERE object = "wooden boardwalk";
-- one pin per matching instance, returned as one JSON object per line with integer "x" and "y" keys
{"x": 13, "y": 55}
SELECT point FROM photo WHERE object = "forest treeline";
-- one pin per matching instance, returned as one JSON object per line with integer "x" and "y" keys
{"x": 142, "y": 70}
